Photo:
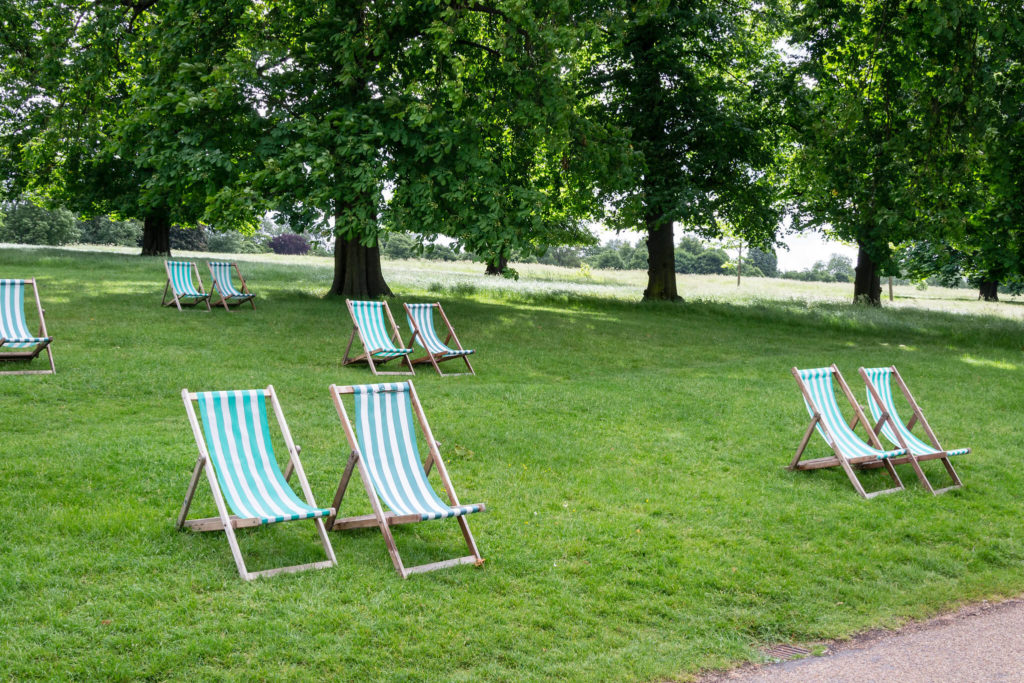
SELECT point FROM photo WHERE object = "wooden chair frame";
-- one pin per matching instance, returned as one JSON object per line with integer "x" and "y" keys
{"x": 224, "y": 299}
{"x": 178, "y": 301}
{"x": 367, "y": 355}
{"x": 917, "y": 417}
{"x": 436, "y": 358}
{"x": 848, "y": 464}
{"x": 28, "y": 356}
{"x": 385, "y": 520}
{"x": 229, "y": 522}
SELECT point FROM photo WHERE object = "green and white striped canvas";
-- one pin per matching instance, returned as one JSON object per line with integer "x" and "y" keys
{"x": 181, "y": 279}
{"x": 13, "y": 328}
{"x": 387, "y": 439}
{"x": 222, "y": 276}
{"x": 369, "y": 317}
{"x": 881, "y": 380}
{"x": 423, "y": 315}
{"x": 238, "y": 440}
{"x": 819, "y": 385}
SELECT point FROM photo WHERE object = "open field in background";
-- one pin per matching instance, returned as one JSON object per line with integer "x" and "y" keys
{"x": 641, "y": 524}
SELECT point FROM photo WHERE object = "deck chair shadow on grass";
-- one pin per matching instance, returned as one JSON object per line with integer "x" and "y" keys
{"x": 236, "y": 452}
{"x": 220, "y": 272}
{"x": 383, "y": 450}
{"x": 179, "y": 282}
{"x": 421, "y": 321}
{"x": 882, "y": 405}
{"x": 848, "y": 448}
{"x": 379, "y": 345}
{"x": 14, "y": 333}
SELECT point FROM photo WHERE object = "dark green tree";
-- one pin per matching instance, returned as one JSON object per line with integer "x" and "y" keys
{"x": 130, "y": 109}
{"x": 765, "y": 261}
{"x": 697, "y": 86}
{"x": 885, "y": 125}
{"x": 28, "y": 223}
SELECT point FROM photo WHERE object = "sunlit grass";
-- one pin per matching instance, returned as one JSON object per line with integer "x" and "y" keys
{"x": 641, "y": 524}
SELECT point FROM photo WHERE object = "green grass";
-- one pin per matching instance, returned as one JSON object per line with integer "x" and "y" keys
{"x": 640, "y": 524}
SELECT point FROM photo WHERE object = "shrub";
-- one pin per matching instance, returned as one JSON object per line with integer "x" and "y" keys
{"x": 568, "y": 257}
{"x": 685, "y": 261}
{"x": 225, "y": 242}
{"x": 27, "y": 223}
{"x": 608, "y": 260}
{"x": 399, "y": 246}
{"x": 710, "y": 262}
{"x": 289, "y": 243}
{"x": 103, "y": 230}
{"x": 766, "y": 262}
{"x": 190, "y": 239}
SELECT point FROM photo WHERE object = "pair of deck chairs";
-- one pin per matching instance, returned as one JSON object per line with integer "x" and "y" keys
{"x": 17, "y": 343}
{"x": 184, "y": 292}
{"x": 250, "y": 490}
{"x": 380, "y": 345}
{"x": 850, "y": 451}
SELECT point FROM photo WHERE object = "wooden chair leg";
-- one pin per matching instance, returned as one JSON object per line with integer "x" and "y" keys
{"x": 803, "y": 444}
{"x": 197, "y": 472}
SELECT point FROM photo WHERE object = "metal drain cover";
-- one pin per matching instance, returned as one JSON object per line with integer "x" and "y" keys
{"x": 786, "y": 651}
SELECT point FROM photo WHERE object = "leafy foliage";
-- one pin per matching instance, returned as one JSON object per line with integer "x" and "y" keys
{"x": 289, "y": 243}
{"x": 696, "y": 86}
{"x": 105, "y": 230}
{"x": 27, "y": 223}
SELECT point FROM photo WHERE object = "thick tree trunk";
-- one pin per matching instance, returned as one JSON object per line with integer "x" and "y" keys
{"x": 156, "y": 234}
{"x": 867, "y": 285}
{"x": 989, "y": 290}
{"x": 357, "y": 271}
{"x": 497, "y": 268}
{"x": 661, "y": 263}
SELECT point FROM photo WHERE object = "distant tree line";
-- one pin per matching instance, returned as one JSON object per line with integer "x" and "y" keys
{"x": 23, "y": 222}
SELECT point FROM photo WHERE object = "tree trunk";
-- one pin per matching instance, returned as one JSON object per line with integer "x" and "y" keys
{"x": 156, "y": 234}
{"x": 661, "y": 262}
{"x": 497, "y": 268}
{"x": 867, "y": 285}
{"x": 989, "y": 290}
{"x": 357, "y": 272}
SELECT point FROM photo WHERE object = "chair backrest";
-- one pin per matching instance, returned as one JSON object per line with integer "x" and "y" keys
{"x": 881, "y": 380}
{"x": 423, "y": 317}
{"x": 222, "y": 276}
{"x": 369, "y": 317}
{"x": 819, "y": 385}
{"x": 238, "y": 441}
{"x": 181, "y": 278}
{"x": 387, "y": 440}
{"x": 12, "y": 315}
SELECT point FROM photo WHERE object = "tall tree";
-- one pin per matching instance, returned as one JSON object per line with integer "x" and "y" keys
{"x": 131, "y": 109}
{"x": 456, "y": 108}
{"x": 884, "y": 124}
{"x": 696, "y": 84}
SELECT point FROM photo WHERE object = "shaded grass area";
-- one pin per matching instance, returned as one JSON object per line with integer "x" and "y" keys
{"x": 641, "y": 525}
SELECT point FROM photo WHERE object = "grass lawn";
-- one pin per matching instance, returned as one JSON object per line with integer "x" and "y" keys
{"x": 640, "y": 524}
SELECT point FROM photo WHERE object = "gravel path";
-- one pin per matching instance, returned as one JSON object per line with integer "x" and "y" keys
{"x": 983, "y": 642}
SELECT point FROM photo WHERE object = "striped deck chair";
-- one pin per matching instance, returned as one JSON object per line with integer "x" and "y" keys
{"x": 179, "y": 282}
{"x": 848, "y": 448}
{"x": 220, "y": 271}
{"x": 243, "y": 473}
{"x": 379, "y": 346}
{"x": 383, "y": 448}
{"x": 14, "y": 332}
{"x": 888, "y": 423}
{"x": 421, "y": 320}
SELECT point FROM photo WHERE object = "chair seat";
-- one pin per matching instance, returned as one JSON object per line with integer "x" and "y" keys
{"x": 391, "y": 353}
{"x": 458, "y": 352}
{"x": 451, "y": 512}
{"x": 25, "y": 342}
